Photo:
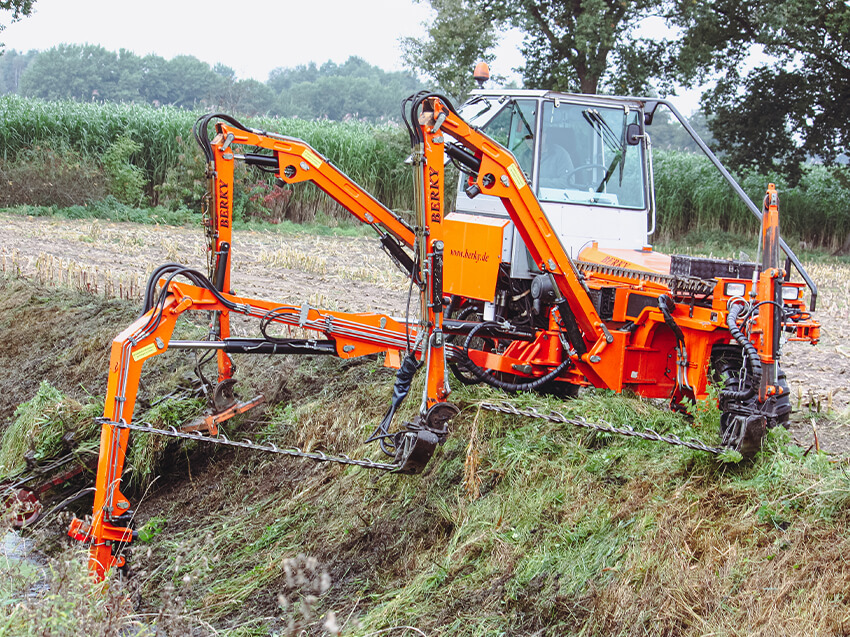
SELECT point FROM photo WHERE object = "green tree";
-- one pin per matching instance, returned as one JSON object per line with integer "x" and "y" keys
{"x": 130, "y": 77}
{"x": 354, "y": 89}
{"x": 581, "y": 45}
{"x": 460, "y": 36}
{"x": 585, "y": 45}
{"x": 191, "y": 83}
{"x": 245, "y": 97}
{"x": 18, "y": 9}
{"x": 282, "y": 79}
{"x": 155, "y": 87}
{"x": 82, "y": 72}
{"x": 793, "y": 104}
{"x": 12, "y": 65}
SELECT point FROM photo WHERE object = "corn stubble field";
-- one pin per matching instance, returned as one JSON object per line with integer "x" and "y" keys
{"x": 517, "y": 527}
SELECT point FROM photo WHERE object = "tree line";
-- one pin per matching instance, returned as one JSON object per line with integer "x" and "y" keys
{"x": 353, "y": 89}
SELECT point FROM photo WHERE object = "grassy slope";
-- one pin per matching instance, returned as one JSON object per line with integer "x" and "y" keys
{"x": 572, "y": 533}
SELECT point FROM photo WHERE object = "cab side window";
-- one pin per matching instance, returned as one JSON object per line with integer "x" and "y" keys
{"x": 514, "y": 129}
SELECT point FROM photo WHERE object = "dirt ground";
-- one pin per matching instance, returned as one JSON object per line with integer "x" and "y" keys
{"x": 353, "y": 274}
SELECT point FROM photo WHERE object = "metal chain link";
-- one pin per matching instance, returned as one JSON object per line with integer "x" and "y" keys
{"x": 504, "y": 408}
{"x": 221, "y": 439}
{"x": 557, "y": 417}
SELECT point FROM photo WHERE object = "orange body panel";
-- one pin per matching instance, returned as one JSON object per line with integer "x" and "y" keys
{"x": 472, "y": 255}
{"x": 645, "y": 260}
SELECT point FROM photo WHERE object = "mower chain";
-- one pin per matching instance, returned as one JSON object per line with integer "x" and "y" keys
{"x": 504, "y": 408}
{"x": 646, "y": 434}
{"x": 221, "y": 439}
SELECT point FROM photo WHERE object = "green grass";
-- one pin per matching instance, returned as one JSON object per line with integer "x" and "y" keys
{"x": 573, "y": 532}
{"x": 568, "y": 526}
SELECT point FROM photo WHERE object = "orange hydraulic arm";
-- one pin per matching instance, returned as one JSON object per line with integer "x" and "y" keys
{"x": 768, "y": 294}
{"x": 292, "y": 161}
{"x": 497, "y": 173}
{"x": 349, "y": 334}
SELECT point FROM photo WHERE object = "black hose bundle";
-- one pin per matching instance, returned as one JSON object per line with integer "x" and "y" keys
{"x": 403, "y": 380}
{"x": 172, "y": 270}
{"x": 201, "y": 134}
{"x": 411, "y": 115}
{"x": 486, "y": 377}
{"x": 751, "y": 355}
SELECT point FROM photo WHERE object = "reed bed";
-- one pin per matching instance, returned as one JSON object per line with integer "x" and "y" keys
{"x": 690, "y": 193}
{"x": 371, "y": 155}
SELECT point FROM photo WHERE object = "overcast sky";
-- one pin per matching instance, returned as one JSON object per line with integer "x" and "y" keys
{"x": 252, "y": 37}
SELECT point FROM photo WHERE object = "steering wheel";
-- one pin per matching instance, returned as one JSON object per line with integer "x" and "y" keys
{"x": 574, "y": 171}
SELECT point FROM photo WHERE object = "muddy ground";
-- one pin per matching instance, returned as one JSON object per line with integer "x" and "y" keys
{"x": 353, "y": 274}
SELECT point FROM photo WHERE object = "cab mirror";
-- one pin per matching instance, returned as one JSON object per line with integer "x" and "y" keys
{"x": 633, "y": 134}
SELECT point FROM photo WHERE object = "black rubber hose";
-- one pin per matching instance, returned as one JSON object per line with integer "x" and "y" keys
{"x": 150, "y": 288}
{"x": 403, "y": 380}
{"x": 666, "y": 304}
{"x": 416, "y": 103}
{"x": 199, "y": 130}
{"x": 751, "y": 355}
{"x": 404, "y": 115}
{"x": 486, "y": 377}
{"x": 172, "y": 270}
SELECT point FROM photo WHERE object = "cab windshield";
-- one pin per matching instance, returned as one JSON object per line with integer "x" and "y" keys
{"x": 513, "y": 127}
{"x": 584, "y": 157}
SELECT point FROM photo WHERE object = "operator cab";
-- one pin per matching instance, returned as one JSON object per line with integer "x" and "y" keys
{"x": 587, "y": 160}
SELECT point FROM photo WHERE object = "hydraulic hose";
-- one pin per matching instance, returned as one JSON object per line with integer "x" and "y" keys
{"x": 751, "y": 355}
{"x": 486, "y": 377}
{"x": 200, "y": 132}
{"x": 172, "y": 270}
{"x": 403, "y": 380}
{"x": 415, "y": 102}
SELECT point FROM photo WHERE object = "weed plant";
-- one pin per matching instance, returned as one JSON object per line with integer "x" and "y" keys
{"x": 573, "y": 532}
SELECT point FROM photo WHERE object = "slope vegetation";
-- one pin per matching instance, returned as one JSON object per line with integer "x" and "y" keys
{"x": 517, "y": 527}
